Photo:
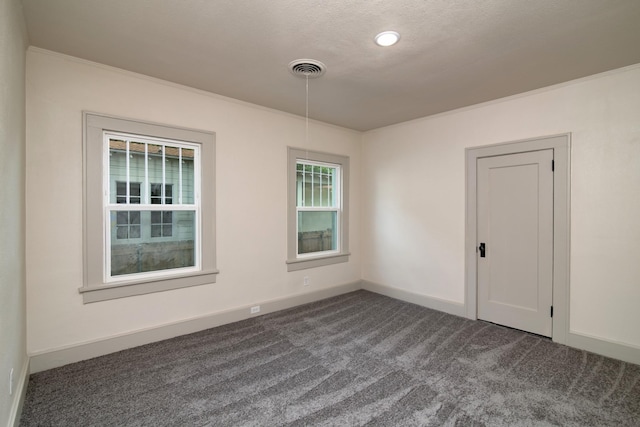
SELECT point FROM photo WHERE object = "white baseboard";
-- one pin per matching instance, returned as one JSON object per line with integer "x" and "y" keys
{"x": 19, "y": 394}
{"x": 55, "y": 358}
{"x": 446, "y": 306}
{"x": 614, "y": 349}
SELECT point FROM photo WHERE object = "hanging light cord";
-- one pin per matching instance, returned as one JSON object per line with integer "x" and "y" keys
{"x": 306, "y": 121}
{"x": 307, "y": 114}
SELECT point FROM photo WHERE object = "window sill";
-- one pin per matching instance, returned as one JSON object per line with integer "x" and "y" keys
{"x": 319, "y": 261}
{"x": 126, "y": 289}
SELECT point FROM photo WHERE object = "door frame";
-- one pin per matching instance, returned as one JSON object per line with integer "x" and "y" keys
{"x": 561, "y": 146}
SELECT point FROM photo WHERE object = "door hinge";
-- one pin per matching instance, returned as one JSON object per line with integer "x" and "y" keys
{"x": 553, "y": 165}
{"x": 551, "y": 311}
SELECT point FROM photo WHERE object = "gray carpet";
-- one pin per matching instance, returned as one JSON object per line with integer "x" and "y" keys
{"x": 356, "y": 359}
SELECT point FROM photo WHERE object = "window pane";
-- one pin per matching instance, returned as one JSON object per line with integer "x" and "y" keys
{"x": 332, "y": 187}
{"x": 156, "y": 194}
{"x": 122, "y": 232}
{"x": 117, "y": 145}
{"x": 134, "y": 192}
{"x": 155, "y": 217}
{"x": 136, "y": 147}
{"x": 123, "y": 218}
{"x": 155, "y": 167}
{"x": 317, "y": 232}
{"x": 136, "y": 170}
{"x": 134, "y": 217}
{"x": 134, "y": 189}
{"x": 308, "y": 188}
{"x": 299, "y": 186}
{"x": 166, "y": 246}
{"x": 121, "y": 192}
{"x": 117, "y": 170}
{"x": 121, "y": 188}
{"x": 168, "y": 194}
{"x": 187, "y": 176}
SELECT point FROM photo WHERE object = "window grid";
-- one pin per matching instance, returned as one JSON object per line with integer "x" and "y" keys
{"x": 180, "y": 175}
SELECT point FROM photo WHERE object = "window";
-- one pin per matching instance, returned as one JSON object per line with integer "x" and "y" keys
{"x": 148, "y": 222}
{"x": 134, "y": 159}
{"x": 318, "y": 209}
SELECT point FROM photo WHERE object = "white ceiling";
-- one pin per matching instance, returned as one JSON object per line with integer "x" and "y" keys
{"x": 453, "y": 53}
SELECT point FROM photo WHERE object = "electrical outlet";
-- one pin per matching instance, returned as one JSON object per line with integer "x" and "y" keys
{"x": 306, "y": 281}
{"x": 255, "y": 309}
{"x": 11, "y": 382}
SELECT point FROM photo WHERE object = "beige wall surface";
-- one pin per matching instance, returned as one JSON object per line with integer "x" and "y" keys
{"x": 13, "y": 42}
{"x": 251, "y": 156}
{"x": 413, "y": 177}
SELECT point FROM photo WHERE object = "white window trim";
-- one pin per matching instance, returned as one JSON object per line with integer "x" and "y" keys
{"x": 297, "y": 262}
{"x": 95, "y": 287}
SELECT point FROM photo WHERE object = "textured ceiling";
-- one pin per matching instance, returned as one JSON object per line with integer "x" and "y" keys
{"x": 453, "y": 53}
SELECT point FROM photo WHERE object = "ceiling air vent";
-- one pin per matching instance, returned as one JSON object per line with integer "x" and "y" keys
{"x": 307, "y": 68}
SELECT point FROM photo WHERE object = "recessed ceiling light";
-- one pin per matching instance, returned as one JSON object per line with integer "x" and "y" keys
{"x": 387, "y": 38}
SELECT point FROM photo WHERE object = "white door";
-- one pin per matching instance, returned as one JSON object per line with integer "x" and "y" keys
{"x": 515, "y": 240}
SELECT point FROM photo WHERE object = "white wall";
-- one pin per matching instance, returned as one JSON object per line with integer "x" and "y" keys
{"x": 407, "y": 200}
{"x": 414, "y": 196}
{"x": 13, "y": 43}
{"x": 251, "y": 199}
